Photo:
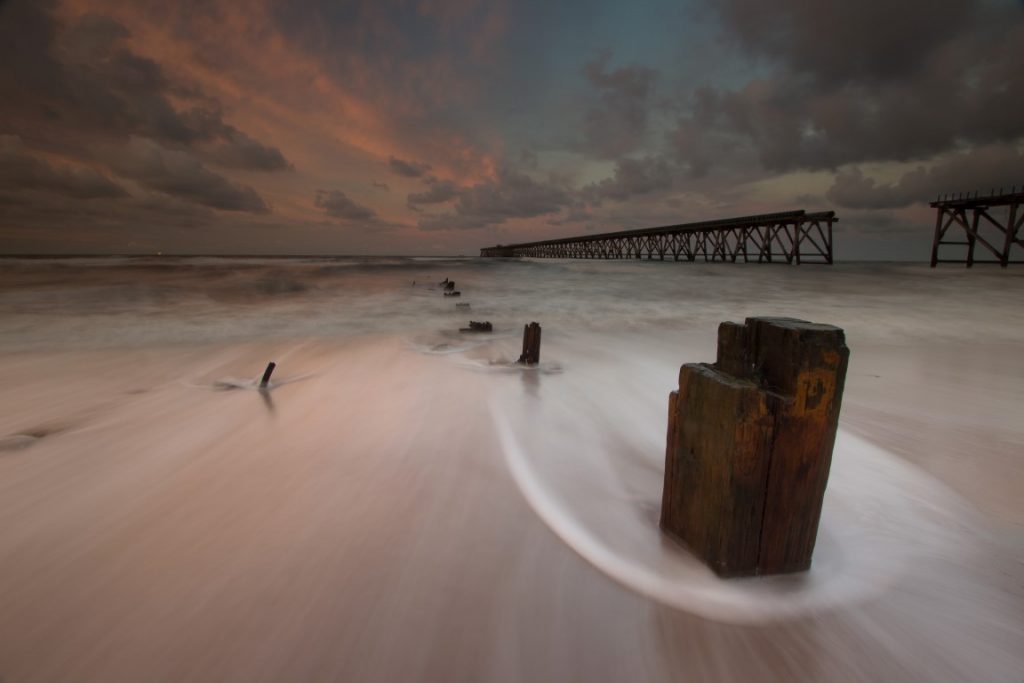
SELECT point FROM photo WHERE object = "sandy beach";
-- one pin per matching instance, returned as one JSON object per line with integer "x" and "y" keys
{"x": 404, "y": 506}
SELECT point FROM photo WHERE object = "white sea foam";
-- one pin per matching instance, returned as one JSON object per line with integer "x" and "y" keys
{"x": 883, "y": 522}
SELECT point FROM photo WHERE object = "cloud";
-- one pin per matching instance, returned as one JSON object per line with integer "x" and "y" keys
{"x": 632, "y": 177}
{"x": 336, "y": 204}
{"x": 575, "y": 214}
{"x": 837, "y": 85}
{"x": 980, "y": 170}
{"x": 238, "y": 150}
{"x": 836, "y": 40}
{"x": 81, "y": 79}
{"x": 407, "y": 169}
{"x": 437, "y": 192}
{"x": 618, "y": 124}
{"x": 22, "y": 170}
{"x": 180, "y": 174}
{"x": 511, "y": 195}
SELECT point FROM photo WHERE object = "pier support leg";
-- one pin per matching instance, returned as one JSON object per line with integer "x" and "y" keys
{"x": 938, "y": 237}
{"x": 750, "y": 445}
{"x": 531, "y": 344}
{"x": 266, "y": 374}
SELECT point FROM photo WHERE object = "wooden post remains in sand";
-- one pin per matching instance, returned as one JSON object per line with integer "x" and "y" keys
{"x": 750, "y": 444}
{"x": 531, "y": 344}
{"x": 266, "y": 374}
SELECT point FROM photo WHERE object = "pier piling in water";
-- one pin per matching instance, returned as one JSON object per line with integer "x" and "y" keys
{"x": 531, "y": 344}
{"x": 266, "y": 374}
{"x": 749, "y": 445}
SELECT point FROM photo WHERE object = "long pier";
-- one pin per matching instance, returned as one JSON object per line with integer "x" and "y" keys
{"x": 793, "y": 237}
{"x": 980, "y": 228}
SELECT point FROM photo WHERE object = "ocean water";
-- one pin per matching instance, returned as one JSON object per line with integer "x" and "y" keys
{"x": 146, "y": 300}
{"x": 135, "y": 450}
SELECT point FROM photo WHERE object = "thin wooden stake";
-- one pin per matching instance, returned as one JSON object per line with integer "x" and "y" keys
{"x": 266, "y": 374}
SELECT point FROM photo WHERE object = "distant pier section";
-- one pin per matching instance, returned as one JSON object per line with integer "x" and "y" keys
{"x": 992, "y": 222}
{"x": 793, "y": 237}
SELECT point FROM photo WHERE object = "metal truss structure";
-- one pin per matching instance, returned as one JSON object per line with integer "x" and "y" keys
{"x": 974, "y": 216}
{"x": 793, "y": 237}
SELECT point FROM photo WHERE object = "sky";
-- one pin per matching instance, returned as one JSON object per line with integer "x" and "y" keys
{"x": 440, "y": 127}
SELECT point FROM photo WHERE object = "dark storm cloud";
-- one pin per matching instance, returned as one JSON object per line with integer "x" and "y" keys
{"x": 837, "y": 40}
{"x": 407, "y": 169}
{"x": 336, "y": 204}
{"x": 80, "y": 81}
{"x": 511, "y": 195}
{"x": 180, "y": 174}
{"x": 871, "y": 81}
{"x": 235, "y": 149}
{"x": 632, "y": 177}
{"x": 575, "y": 214}
{"x": 438, "y": 192}
{"x": 618, "y": 124}
{"x": 20, "y": 169}
{"x": 981, "y": 170}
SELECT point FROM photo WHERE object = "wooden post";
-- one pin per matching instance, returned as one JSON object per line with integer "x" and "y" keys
{"x": 531, "y": 344}
{"x": 749, "y": 445}
{"x": 266, "y": 374}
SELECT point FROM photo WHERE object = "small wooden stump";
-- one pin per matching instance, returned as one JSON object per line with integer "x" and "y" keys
{"x": 750, "y": 444}
{"x": 266, "y": 374}
{"x": 531, "y": 344}
{"x": 475, "y": 326}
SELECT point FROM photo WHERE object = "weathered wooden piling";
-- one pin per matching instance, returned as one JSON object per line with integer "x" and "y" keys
{"x": 266, "y": 374}
{"x": 531, "y": 344}
{"x": 750, "y": 444}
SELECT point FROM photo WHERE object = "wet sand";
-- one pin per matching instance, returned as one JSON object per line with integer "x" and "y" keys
{"x": 363, "y": 523}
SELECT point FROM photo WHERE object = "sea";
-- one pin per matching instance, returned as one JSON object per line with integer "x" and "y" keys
{"x": 404, "y": 500}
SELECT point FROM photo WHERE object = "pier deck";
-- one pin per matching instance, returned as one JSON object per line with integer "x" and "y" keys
{"x": 793, "y": 237}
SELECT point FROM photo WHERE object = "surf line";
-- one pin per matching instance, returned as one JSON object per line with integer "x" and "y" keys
{"x": 859, "y": 556}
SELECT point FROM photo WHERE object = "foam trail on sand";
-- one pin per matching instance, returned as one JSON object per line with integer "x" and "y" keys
{"x": 881, "y": 520}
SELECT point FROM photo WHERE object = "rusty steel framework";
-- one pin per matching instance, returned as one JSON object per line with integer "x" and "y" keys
{"x": 980, "y": 227}
{"x": 789, "y": 237}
